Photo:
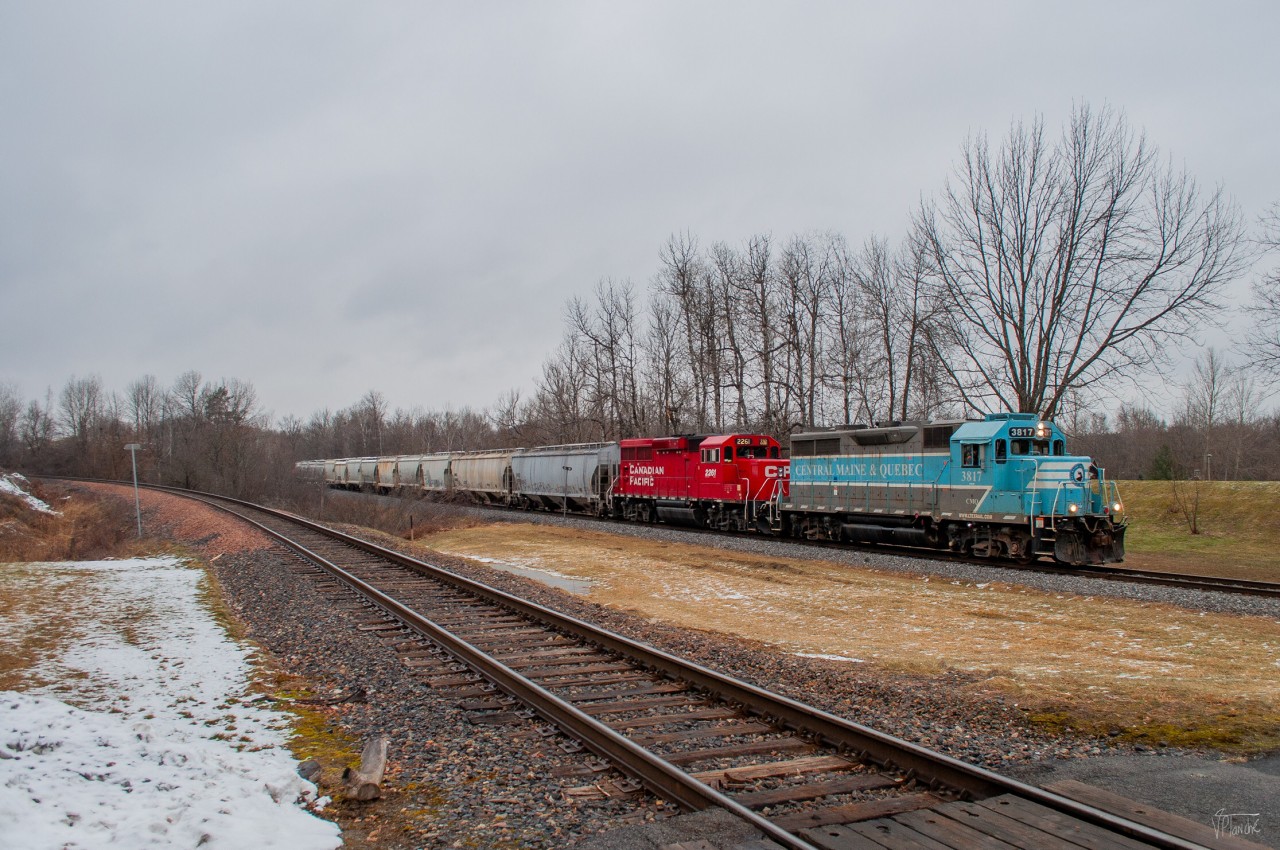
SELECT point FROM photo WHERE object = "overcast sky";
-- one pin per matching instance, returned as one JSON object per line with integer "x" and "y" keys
{"x": 325, "y": 198}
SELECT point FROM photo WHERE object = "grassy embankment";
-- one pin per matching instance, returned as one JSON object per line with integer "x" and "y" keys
{"x": 84, "y": 528}
{"x": 1238, "y": 524}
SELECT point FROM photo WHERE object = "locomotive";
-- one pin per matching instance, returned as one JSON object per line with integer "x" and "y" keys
{"x": 1002, "y": 486}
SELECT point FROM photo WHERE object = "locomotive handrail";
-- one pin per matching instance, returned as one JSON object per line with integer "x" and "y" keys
{"x": 936, "y": 479}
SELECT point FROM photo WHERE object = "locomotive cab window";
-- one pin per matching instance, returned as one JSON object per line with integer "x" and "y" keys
{"x": 1059, "y": 449}
{"x": 971, "y": 455}
{"x": 1030, "y": 447}
{"x": 710, "y": 455}
{"x": 728, "y": 453}
{"x": 1002, "y": 452}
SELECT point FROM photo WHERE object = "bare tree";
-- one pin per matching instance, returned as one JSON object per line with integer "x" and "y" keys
{"x": 1263, "y": 343}
{"x": 81, "y": 407}
{"x": 1064, "y": 266}
{"x": 371, "y": 414}
{"x": 665, "y": 383}
{"x": 728, "y": 325}
{"x": 145, "y": 406}
{"x": 10, "y": 415}
{"x": 37, "y": 428}
{"x": 1205, "y": 392}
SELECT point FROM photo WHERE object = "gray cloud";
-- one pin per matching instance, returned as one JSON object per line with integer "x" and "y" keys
{"x": 327, "y": 198}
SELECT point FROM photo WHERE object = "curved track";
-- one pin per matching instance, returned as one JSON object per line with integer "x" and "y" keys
{"x": 802, "y": 777}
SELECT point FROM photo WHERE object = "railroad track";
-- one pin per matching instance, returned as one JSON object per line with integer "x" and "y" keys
{"x": 802, "y": 777}
{"x": 1217, "y": 584}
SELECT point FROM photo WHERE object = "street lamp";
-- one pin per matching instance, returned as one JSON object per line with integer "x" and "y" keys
{"x": 132, "y": 449}
{"x": 567, "y": 470}
{"x": 1208, "y": 467}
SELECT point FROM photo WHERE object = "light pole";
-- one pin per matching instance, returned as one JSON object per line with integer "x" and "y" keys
{"x": 132, "y": 449}
{"x": 567, "y": 470}
{"x": 1208, "y": 467}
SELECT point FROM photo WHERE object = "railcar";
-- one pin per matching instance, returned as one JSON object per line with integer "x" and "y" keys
{"x": 362, "y": 473}
{"x": 568, "y": 478}
{"x": 1001, "y": 486}
{"x": 386, "y": 476}
{"x": 310, "y": 470}
{"x": 726, "y": 482}
{"x": 484, "y": 475}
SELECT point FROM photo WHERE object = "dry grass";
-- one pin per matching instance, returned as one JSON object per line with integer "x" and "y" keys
{"x": 86, "y": 528}
{"x": 1239, "y": 531}
{"x": 1154, "y": 671}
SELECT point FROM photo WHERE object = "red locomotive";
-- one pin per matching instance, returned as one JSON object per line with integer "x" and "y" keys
{"x": 727, "y": 482}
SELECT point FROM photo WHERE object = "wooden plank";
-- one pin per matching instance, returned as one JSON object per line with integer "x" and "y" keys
{"x": 497, "y": 718}
{"x": 544, "y": 664}
{"x": 491, "y": 704}
{"x": 771, "y": 770}
{"x": 676, "y": 717}
{"x": 950, "y": 833}
{"x": 452, "y": 681}
{"x": 542, "y": 654}
{"x": 1000, "y": 827}
{"x": 853, "y": 812}
{"x": 815, "y": 790}
{"x": 838, "y": 837}
{"x": 753, "y": 748}
{"x": 423, "y": 663}
{"x": 480, "y": 633}
{"x": 614, "y": 693}
{"x": 638, "y": 704}
{"x": 723, "y": 730}
{"x": 550, "y": 675}
{"x": 890, "y": 834}
{"x": 1059, "y": 824}
{"x": 1149, "y": 815}
{"x": 616, "y": 679}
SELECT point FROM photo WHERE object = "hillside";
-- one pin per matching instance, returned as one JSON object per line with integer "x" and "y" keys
{"x": 1238, "y": 524}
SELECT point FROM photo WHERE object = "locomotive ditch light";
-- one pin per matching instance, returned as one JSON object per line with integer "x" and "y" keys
{"x": 1073, "y": 509}
{"x": 1118, "y": 508}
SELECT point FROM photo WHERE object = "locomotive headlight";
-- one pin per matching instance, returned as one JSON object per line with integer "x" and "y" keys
{"x": 1073, "y": 509}
{"x": 1042, "y": 430}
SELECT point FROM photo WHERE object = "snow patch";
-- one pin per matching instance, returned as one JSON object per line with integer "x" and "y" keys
{"x": 82, "y": 779}
{"x": 148, "y": 736}
{"x": 12, "y": 484}
{"x": 822, "y": 657}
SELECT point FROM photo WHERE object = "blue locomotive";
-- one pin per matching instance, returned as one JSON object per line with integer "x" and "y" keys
{"x": 1002, "y": 486}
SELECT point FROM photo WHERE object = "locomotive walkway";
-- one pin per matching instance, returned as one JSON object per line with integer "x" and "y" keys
{"x": 801, "y": 777}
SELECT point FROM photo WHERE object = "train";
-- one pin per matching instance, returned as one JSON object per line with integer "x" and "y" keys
{"x": 1002, "y": 486}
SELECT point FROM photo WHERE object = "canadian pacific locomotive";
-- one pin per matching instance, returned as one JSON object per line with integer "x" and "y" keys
{"x": 1003, "y": 486}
